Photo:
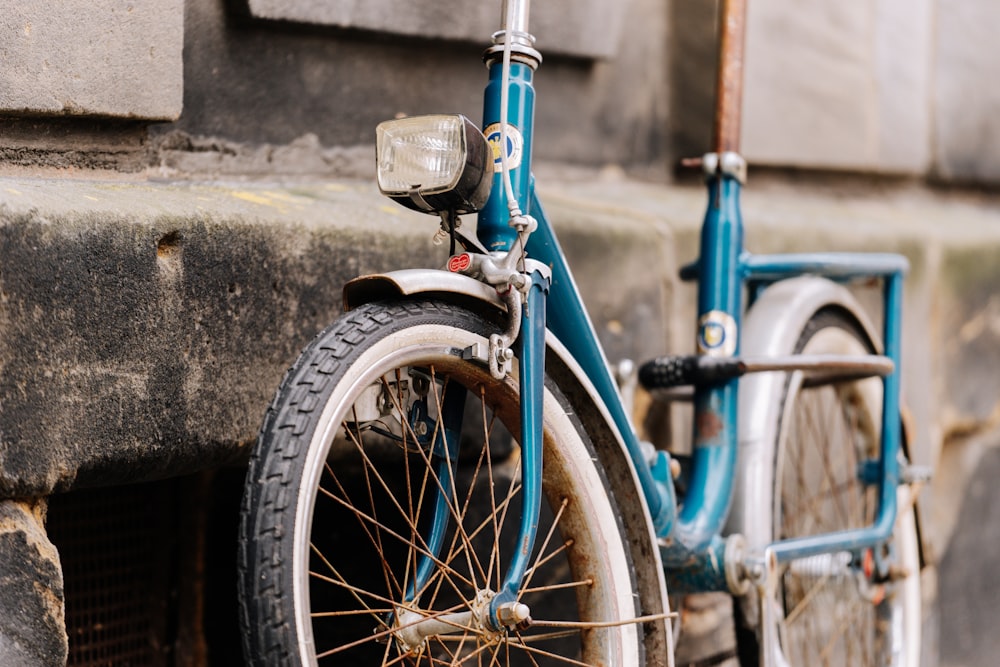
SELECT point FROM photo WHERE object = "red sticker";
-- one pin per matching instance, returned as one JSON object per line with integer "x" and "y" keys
{"x": 459, "y": 262}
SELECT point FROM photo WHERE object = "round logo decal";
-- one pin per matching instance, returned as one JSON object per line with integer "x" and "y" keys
{"x": 717, "y": 334}
{"x": 515, "y": 146}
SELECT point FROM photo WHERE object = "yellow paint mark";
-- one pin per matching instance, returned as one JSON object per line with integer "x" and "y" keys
{"x": 388, "y": 209}
{"x": 13, "y": 191}
{"x": 91, "y": 198}
{"x": 284, "y": 196}
{"x": 254, "y": 198}
{"x": 336, "y": 187}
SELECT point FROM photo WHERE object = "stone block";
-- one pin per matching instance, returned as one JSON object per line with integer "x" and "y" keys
{"x": 839, "y": 85}
{"x": 273, "y": 82}
{"x": 590, "y": 28}
{"x": 32, "y": 611}
{"x": 966, "y": 97}
{"x": 119, "y": 58}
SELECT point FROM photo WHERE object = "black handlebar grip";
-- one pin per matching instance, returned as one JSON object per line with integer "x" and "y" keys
{"x": 686, "y": 370}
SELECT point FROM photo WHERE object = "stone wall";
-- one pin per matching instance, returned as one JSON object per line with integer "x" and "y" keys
{"x": 884, "y": 86}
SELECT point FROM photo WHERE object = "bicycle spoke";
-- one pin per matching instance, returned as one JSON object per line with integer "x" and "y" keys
{"x": 424, "y": 550}
{"x": 341, "y": 582}
{"x": 383, "y": 634}
{"x": 392, "y": 533}
{"x": 376, "y": 539}
{"x": 448, "y": 497}
{"x": 557, "y": 587}
{"x": 529, "y": 650}
{"x": 390, "y": 577}
{"x": 495, "y": 553}
{"x": 354, "y": 612}
{"x": 460, "y": 518}
{"x": 513, "y": 489}
{"x": 545, "y": 543}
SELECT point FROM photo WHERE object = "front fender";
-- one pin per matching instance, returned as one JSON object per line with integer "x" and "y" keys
{"x": 451, "y": 287}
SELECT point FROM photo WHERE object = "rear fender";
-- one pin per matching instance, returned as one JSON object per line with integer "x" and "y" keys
{"x": 772, "y": 328}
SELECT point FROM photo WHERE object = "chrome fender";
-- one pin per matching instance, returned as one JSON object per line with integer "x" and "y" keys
{"x": 564, "y": 371}
{"x": 772, "y": 328}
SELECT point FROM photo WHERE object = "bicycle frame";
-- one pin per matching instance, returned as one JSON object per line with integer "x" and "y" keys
{"x": 694, "y": 553}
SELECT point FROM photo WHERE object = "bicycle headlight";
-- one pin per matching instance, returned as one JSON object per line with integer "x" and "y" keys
{"x": 434, "y": 163}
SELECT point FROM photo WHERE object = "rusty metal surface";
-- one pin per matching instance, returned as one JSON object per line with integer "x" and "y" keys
{"x": 729, "y": 85}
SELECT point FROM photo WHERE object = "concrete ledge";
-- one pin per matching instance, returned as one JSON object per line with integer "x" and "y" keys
{"x": 146, "y": 326}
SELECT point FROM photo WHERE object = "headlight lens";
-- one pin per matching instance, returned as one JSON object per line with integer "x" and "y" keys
{"x": 434, "y": 163}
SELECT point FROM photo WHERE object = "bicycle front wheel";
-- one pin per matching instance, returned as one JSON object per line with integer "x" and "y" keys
{"x": 835, "y": 609}
{"x": 368, "y": 538}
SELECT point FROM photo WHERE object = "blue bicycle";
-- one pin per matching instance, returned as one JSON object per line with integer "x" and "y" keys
{"x": 448, "y": 474}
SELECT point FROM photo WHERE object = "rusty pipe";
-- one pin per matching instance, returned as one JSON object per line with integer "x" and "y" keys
{"x": 729, "y": 82}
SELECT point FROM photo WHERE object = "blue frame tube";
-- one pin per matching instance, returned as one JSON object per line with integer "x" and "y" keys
{"x": 722, "y": 269}
{"x": 844, "y": 266}
{"x": 493, "y": 229}
{"x": 713, "y": 465}
{"x": 566, "y": 312}
{"x": 834, "y": 265}
{"x": 569, "y": 322}
{"x": 881, "y": 529}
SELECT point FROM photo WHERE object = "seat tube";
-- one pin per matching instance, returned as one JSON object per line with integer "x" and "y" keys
{"x": 719, "y": 303}
{"x": 719, "y": 298}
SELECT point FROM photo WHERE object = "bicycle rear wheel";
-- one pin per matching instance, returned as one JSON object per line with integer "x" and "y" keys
{"x": 343, "y": 547}
{"x": 835, "y": 610}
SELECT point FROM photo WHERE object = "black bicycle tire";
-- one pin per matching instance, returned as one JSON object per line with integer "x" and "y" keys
{"x": 825, "y": 318}
{"x": 262, "y": 577}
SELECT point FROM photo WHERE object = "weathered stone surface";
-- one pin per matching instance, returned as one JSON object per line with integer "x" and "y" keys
{"x": 93, "y": 57}
{"x": 32, "y": 608}
{"x": 839, "y": 85}
{"x": 966, "y": 97}
{"x": 272, "y": 82}
{"x": 147, "y": 326}
{"x": 590, "y": 28}
{"x": 968, "y": 582}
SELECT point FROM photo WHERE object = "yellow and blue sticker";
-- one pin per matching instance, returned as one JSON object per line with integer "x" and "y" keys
{"x": 515, "y": 146}
{"x": 717, "y": 334}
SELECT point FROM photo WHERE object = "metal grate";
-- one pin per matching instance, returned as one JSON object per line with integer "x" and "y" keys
{"x": 115, "y": 547}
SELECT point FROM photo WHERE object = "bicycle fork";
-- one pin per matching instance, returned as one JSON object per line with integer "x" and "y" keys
{"x": 491, "y": 612}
